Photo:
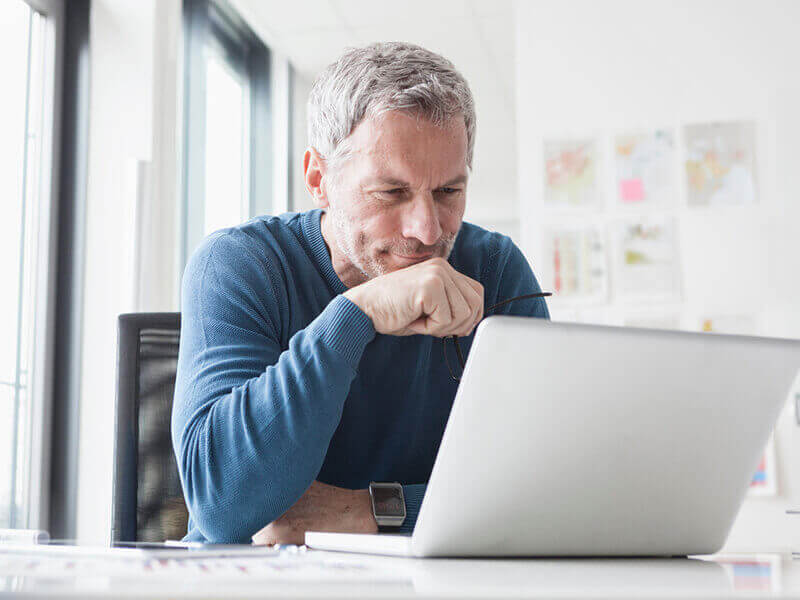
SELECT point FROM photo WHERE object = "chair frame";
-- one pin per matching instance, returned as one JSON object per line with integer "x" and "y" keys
{"x": 126, "y": 435}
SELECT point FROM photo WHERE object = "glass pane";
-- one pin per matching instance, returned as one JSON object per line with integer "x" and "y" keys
{"x": 13, "y": 42}
{"x": 21, "y": 105}
{"x": 226, "y": 142}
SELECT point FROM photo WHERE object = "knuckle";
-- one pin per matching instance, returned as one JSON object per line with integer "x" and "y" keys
{"x": 431, "y": 279}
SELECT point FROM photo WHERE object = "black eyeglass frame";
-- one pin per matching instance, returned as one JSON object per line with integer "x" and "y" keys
{"x": 459, "y": 354}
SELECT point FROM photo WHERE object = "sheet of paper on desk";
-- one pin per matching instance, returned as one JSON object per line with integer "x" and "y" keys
{"x": 291, "y": 564}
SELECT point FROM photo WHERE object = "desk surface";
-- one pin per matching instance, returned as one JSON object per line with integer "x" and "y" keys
{"x": 308, "y": 574}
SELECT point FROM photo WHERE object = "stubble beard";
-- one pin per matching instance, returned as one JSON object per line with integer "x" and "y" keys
{"x": 368, "y": 265}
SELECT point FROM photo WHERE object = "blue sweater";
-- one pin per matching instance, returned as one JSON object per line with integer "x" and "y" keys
{"x": 282, "y": 380}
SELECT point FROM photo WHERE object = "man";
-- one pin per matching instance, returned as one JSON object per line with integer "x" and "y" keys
{"x": 311, "y": 355}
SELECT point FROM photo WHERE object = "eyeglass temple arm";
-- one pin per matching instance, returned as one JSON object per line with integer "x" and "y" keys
{"x": 499, "y": 304}
{"x": 461, "y": 360}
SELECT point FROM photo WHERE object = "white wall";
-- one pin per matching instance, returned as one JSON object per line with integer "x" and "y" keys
{"x": 598, "y": 68}
{"x": 301, "y": 87}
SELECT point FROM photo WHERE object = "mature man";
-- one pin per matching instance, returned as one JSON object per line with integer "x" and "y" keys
{"x": 311, "y": 358}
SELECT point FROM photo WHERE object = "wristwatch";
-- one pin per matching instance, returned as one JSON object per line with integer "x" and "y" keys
{"x": 388, "y": 504}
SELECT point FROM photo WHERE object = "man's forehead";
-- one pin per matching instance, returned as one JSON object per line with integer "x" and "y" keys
{"x": 397, "y": 131}
{"x": 388, "y": 178}
{"x": 400, "y": 149}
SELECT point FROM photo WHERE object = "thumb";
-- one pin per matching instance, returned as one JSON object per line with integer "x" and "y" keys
{"x": 420, "y": 326}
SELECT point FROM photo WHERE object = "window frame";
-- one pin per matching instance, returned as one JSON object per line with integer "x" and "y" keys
{"x": 35, "y": 513}
{"x": 216, "y": 23}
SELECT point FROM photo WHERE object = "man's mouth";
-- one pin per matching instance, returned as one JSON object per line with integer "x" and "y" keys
{"x": 414, "y": 256}
{"x": 411, "y": 258}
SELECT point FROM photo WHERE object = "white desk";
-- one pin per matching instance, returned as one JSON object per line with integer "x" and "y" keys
{"x": 330, "y": 575}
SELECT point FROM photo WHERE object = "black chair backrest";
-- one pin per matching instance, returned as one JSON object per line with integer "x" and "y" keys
{"x": 148, "y": 503}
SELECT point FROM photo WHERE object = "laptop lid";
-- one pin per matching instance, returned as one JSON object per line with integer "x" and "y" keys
{"x": 571, "y": 439}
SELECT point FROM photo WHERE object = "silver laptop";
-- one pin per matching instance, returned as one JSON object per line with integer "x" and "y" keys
{"x": 586, "y": 440}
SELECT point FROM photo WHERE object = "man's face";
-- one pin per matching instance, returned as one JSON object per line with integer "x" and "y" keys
{"x": 399, "y": 198}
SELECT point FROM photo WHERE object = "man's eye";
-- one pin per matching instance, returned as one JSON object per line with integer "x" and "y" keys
{"x": 447, "y": 190}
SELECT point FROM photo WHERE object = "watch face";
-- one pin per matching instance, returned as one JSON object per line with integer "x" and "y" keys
{"x": 388, "y": 502}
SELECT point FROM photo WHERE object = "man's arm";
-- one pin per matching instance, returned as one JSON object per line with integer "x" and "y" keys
{"x": 251, "y": 423}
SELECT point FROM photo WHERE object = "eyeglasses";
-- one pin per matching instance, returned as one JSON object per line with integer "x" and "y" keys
{"x": 460, "y": 356}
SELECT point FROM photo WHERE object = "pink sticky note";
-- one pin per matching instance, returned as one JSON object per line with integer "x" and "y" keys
{"x": 631, "y": 190}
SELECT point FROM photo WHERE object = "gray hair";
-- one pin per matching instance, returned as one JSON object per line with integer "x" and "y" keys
{"x": 366, "y": 82}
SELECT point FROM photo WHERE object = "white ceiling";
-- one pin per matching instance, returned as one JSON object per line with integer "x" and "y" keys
{"x": 476, "y": 35}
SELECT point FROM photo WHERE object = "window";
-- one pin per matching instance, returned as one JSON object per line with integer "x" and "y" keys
{"x": 227, "y": 142}
{"x": 26, "y": 120}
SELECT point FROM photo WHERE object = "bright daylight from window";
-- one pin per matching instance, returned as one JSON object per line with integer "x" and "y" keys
{"x": 21, "y": 36}
{"x": 226, "y": 140}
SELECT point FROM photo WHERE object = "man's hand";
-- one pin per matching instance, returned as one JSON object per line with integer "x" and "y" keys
{"x": 429, "y": 298}
{"x": 322, "y": 508}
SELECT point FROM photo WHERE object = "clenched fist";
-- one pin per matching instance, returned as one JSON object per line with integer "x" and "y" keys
{"x": 429, "y": 298}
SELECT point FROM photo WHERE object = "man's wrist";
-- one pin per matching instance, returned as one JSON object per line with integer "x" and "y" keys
{"x": 366, "y": 517}
{"x": 355, "y": 297}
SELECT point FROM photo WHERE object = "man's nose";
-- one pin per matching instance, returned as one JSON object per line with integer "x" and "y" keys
{"x": 421, "y": 220}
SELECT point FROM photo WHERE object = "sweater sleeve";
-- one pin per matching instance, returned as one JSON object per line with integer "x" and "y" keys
{"x": 413, "y": 494}
{"x": 252, "y": 422}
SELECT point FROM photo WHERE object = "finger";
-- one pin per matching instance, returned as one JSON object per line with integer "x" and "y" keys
{"x": 473, "y": 292}
{"x": 475, "y": 285}
{"x": 474, "y": 307}
{"x": 418, "y": 327}
{"x": 436, "y": 312}
{"x": 263, "y": 537}
{"x": 474, "y": 302}
{"x": 459, "y": 306}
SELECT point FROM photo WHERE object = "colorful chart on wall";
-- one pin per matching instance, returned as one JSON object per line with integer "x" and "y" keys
{"x": 647, "y": 259}
{"x": 721, "y": 163}
{"x": 764, "y": 480}
{"x": 577, "y": 257}
{"x": 570, "y": 174}
{"x": 645, "y": 167}
{"x": 735, "y": 324}
{"x": 754, "y": 573}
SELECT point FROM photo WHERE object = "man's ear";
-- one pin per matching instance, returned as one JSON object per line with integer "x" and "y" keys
{"x": 314, "y": 169}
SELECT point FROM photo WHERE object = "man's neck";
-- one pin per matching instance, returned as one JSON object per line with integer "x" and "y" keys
{"x": 346, "y": 271}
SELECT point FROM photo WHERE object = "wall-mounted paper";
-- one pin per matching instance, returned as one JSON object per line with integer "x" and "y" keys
{"x": 736, "y": 324}
{"x": 647, "y": 259}
{"x": 720, "y": 163}
{"x": 570, "y": 173}
{"x": 764, "y": 480}
{"x": 645, "y": 165}
{"x": 753, "y": 573}
{"x": 577, "y": 258}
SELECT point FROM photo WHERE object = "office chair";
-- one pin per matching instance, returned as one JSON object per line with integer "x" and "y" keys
{"x": 148, "y": 504}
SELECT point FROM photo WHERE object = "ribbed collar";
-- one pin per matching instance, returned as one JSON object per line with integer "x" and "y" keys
{"x": 312, "y": 230}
